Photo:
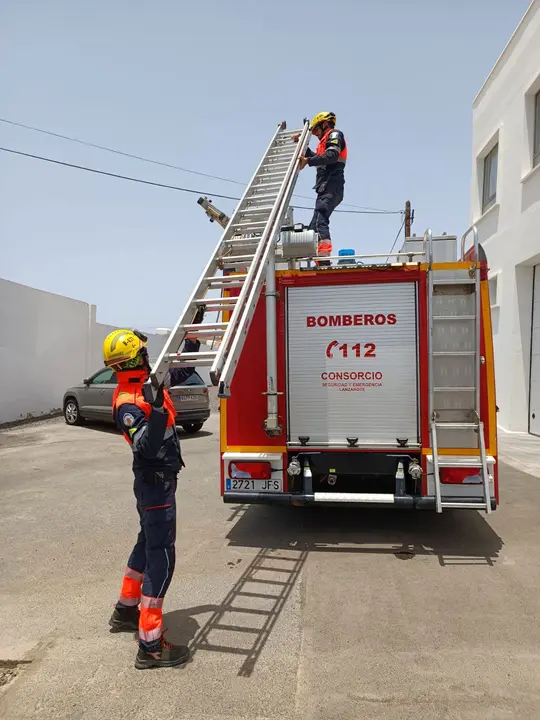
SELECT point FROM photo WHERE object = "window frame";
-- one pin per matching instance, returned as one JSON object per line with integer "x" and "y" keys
{"x": 536, "y": 130}
{"x": 487, "y": 162}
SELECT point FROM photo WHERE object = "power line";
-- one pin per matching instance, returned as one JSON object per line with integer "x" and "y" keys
{"x": 159, "y": 162}
{"x": 164, "y": 185}
{"x": 397, "y": 237}
{"x": 114, "y": 175}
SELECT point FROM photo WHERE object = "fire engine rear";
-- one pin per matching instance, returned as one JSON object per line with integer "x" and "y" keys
{"x": 383, "y": 389}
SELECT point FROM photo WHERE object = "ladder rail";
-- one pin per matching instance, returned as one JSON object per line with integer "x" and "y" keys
{"x": 161, "y": 366}
{"x": 436, "y": 476}
{"x": 428, "y": 240}
{"x": 485, "y": 473}
{"x": 477, "y": 323}
{"x": 233, "y": 341}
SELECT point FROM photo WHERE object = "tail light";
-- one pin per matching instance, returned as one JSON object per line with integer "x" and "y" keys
{"x": 460, "y": 476}
{"x": 250, "y": 470}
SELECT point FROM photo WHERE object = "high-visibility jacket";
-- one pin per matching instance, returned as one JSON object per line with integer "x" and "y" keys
{"x": 330, "y": 159}
{"x": 150, "y": 432}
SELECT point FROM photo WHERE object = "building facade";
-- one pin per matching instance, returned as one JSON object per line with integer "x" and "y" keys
{"x": 505, "y": 206}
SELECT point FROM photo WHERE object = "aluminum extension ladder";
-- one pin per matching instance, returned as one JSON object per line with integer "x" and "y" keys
{"x": 246, "y": 244}
{"x": 454, "y": 318}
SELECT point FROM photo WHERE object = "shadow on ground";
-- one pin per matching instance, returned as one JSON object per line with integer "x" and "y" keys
{"x": 460, "y": 536}
{"x": 242, "y": 622}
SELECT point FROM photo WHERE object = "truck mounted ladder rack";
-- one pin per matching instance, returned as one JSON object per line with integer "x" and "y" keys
{"x": 247, "y": 243}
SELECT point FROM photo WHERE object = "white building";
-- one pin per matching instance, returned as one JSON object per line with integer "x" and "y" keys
{"x": 505, "y": 206}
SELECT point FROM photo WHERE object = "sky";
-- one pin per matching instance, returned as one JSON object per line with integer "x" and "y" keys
{"x": 204, "y": 85}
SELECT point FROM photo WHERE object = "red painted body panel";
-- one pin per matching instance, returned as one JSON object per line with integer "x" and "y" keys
{"x": 245, "y": 411}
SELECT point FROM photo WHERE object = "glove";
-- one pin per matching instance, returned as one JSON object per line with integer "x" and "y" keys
{"x": 199, "y": 315}
{"x": 159, "y": 399}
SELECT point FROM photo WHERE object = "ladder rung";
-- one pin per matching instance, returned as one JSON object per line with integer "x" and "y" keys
{"x": 194, "y": 334}
{"x": 203, "y": 355}
{"x": 465, "y": 506}
{"x": 246, "y": 213}
{"x": 257, "y": 210}
{"x": 248, "y": 225}
{"x": 274, "y": 164}
{"x": 454, "y": 353}
{"x": 454, "y": 317}
{"x": 280, "y": 174}
{"x": 465, "y": 465}
{"x": 455, "y": 426}
{"x": 232, "y": 260}
{"x": 187, "y": 363}
{"x": 227, "y": 281}
{"x": 211, "y": 302}
{"x": 258, "y": 197}
{"x": 205, "y": 326}
{"x": 240, "y": 240}
{"x": 265, "y": 185}
{"x": 454, "y": 389}
{"x": 452, "y": 281}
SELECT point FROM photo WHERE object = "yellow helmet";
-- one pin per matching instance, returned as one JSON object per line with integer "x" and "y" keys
{"x": 122, "y": 348}
{"x": 322, "y": 117}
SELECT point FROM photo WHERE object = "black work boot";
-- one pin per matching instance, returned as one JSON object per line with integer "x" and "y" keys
{"x": 124, "y": 619}
{"x": 168, "y": 656}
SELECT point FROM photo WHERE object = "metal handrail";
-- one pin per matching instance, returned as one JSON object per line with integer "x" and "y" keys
{"x": 428, "y": 240}
{"x": 360, "y": 257}
{"x": 474, "y": 230}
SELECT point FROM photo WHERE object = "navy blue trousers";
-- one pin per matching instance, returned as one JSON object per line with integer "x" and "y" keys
{"x": 325, "y": 205}
{"x": 153, "y": 554}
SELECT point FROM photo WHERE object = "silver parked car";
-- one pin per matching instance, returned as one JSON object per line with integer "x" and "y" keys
{"x": 92, "y": 400}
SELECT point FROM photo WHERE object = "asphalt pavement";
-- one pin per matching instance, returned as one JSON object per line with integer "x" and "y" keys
{"x": 291, "y": 613}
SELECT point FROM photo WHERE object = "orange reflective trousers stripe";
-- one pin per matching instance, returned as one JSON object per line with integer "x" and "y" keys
{"x": 324, "y": 248}
{"x": 151, "y": 619}
{"x": 130, "y": 594}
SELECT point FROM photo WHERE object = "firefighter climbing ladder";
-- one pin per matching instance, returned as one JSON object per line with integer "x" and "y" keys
{"x": 454, "y": 318}
{"x": 246, "y": 243}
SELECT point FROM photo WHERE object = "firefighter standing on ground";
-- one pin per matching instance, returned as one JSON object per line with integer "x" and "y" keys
{"x": 329, "y": 158}
{"x": 157, "y": 460}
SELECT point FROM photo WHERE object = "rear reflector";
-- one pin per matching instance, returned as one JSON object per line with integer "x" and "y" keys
{"x": 460, "y": 476}
{"x": 250, "y": 470}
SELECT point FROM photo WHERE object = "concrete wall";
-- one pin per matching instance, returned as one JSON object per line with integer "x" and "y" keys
{"x": 510, "y": 229}
{"x": 47, "y": 343}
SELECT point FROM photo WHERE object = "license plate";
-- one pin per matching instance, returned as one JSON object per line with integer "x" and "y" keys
{"x": 241, "y": 485}
{"x": 187, "y": 398}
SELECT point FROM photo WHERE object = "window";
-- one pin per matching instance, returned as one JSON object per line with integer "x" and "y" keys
{"x": 107, "y": 376}
{"x": 194, "y": 379}
{"x": 536, "y": 142}
{"x": 489, "y": 191}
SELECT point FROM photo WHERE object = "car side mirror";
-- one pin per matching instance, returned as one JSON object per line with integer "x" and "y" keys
{"x": 86, "y": 381}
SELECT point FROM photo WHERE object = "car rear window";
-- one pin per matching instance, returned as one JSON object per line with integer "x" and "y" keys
{"x": 194, "y": 379}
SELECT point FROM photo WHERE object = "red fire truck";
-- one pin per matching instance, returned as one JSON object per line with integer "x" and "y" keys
{"x": 369, "y": 381}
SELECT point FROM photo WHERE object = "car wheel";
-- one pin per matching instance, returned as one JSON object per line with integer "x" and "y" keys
{"x": 72, "y": 414}
{"x": 191, "y": 428}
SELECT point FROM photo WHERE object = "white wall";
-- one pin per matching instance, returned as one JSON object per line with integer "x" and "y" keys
{"x": 510, "y": 230}
{"x": 47, "y": 343}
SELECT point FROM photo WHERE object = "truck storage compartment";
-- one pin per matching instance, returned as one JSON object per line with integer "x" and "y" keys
{"x": 352, "y": 364}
